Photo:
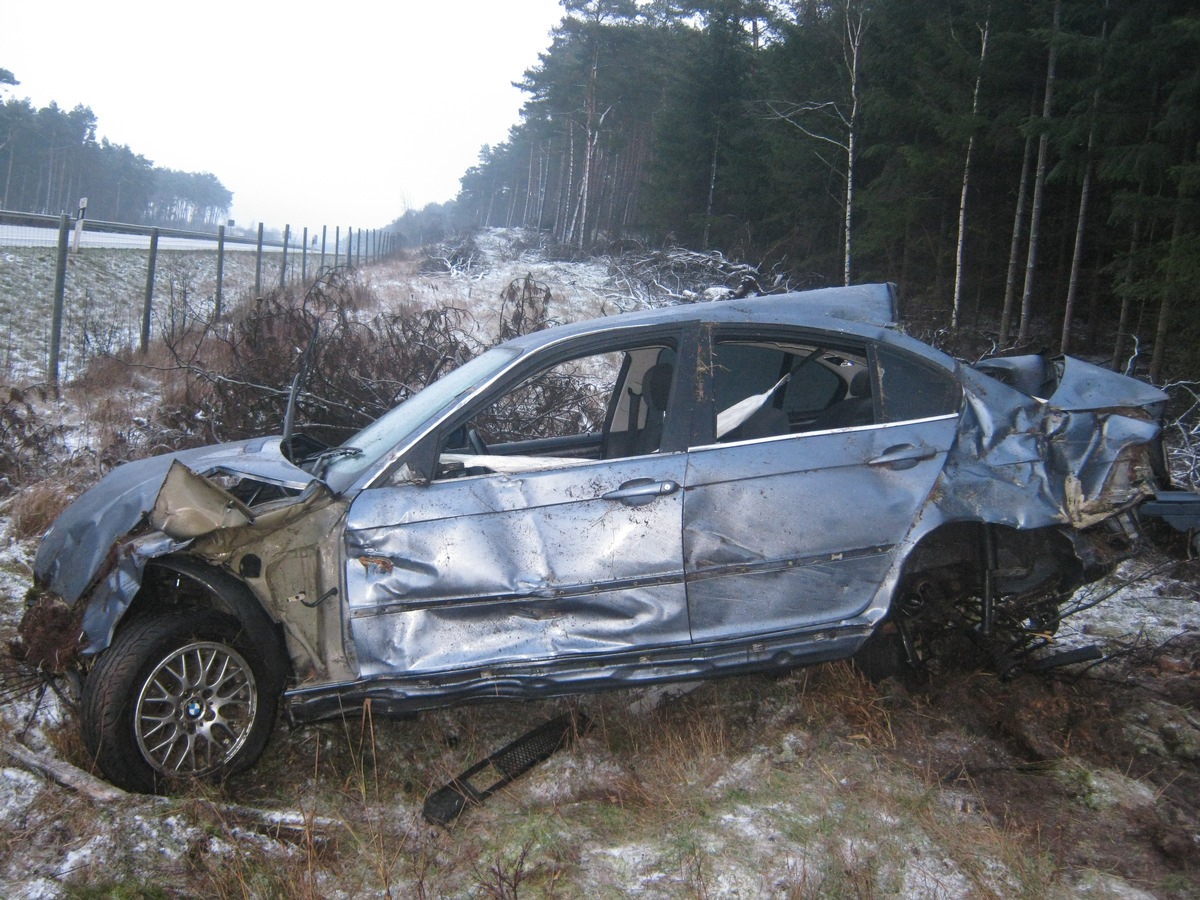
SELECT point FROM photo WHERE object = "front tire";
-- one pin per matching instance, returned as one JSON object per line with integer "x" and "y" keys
{"x": 180, "y": 697}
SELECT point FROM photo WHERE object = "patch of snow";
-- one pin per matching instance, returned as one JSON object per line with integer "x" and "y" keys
{"x": 624, "y": 866}
{"x": 18, "y": 790}
{"x": 932, "y": 875}
{"x": 646, "y": 700}
{"x": 39, "y": 889}
{"x": 168, "y": 837}
{"x": 743, "y": 772}
{"x": 1143, "y": 607}
{"x": 16, "y": 573}
{"x": 95, "y": 851}
{"x": 567, "y": 776}
{"x": 748, "y": 822}
{"x": 1091, "y": 883}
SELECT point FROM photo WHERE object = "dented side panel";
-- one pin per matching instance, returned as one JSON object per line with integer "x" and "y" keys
{"x": 789, "y": 532}
{"x": 495, "y": 568}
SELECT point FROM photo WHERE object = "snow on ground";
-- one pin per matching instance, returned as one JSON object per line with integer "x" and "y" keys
{"x": 1141, "y": 603}
{"x": 16, "y": 570}
{"x": 579, "y": 290}
{"x": 104, "y": 301}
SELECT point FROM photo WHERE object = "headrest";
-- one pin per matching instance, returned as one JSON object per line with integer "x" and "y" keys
{"x": 860, "y": 384}
{"x": 656, "y": 384}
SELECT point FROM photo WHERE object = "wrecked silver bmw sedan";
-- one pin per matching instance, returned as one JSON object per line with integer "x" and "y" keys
{"x": 733, "y": 487}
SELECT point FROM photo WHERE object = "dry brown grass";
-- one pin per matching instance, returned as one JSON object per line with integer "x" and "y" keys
{"x": 842, "y": 687}
{"x": 35, "y": 507}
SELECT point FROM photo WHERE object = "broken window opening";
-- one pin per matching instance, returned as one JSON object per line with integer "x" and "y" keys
{"x": 607, "y": 405}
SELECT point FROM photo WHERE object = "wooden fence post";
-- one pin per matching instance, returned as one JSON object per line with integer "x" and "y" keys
{"x": 220, "y": 270}
{"x": 349, "y": 246}
{"x": 304, "y": 257}
{"x": 60, "y": 286}
{"x": 322, "y": 268}
{"x": 145, "y": 344}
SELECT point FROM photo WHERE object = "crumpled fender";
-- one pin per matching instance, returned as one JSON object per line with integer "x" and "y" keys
{"x": 1073, "y": 459}
{"x": 82, "y": 544}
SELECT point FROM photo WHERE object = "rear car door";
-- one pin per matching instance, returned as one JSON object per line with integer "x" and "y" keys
{"x": 792, "y": 517}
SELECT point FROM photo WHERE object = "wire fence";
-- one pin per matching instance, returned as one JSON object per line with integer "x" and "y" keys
{"x": 72, "y": 289}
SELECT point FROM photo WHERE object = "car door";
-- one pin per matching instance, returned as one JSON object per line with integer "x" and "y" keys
{"x": 550, "y": 531}
{"x": 795, "y": 525}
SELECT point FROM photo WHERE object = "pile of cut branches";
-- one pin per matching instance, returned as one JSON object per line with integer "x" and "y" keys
{"x": 648, "y": 278}
{"x": 1182, "y": 434}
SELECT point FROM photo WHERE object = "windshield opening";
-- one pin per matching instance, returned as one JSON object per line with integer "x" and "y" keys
{"x": 393, "y": 428}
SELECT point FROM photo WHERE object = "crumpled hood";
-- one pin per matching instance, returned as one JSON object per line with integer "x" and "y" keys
{"x": 74, "y": 550}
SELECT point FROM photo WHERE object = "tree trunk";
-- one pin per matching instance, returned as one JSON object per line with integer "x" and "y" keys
{"x": 712, "y": 185}
{"x": 528, "y": 186}
{"x": 1173, "y": 284}
{"x": 1039, "y": 182}
{"x": 562, "y": 225}
{"x": 1077, "y": 255}
{"x": 1168, "y": 290}
{"x": 1014, "y": 247}
{"x": 1084, "y": 193}
{"x": 966, "y": 183}
{"x": 856, "y": 27}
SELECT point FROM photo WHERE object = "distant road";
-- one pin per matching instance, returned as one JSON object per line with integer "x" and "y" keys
{"x": 27, "y": 236}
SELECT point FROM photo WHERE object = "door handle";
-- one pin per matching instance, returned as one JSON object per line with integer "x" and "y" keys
{"x": 902, "y": 456}
{"x": 641, "y": 491}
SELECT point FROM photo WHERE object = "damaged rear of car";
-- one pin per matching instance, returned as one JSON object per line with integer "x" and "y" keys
{"x": 671, "y": 494}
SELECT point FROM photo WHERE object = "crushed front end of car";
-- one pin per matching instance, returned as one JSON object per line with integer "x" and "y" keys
{"x": 91, "y": 563}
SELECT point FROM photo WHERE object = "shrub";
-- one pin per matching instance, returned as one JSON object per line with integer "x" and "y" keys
{"x": 27, "y": 441}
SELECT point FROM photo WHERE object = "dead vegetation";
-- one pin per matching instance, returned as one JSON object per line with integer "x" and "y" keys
{"x": 1183, "y": 433}
{"x": 27, "y": 441}
{"x": 231, "y": 378}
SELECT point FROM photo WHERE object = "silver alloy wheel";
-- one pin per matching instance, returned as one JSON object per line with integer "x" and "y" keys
{"x": 195, "y": 710}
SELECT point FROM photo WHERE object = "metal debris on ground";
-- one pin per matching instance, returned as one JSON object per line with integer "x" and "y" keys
{"x": 504, "y": 766}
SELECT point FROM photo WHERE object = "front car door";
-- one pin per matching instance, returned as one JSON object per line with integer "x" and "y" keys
{"x": 792, "y": 517}
{"x": 548, "y": 532}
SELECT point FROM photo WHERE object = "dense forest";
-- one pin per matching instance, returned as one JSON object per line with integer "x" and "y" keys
{"x": 1024, "y": 168}
{"x": 50, "y": 157}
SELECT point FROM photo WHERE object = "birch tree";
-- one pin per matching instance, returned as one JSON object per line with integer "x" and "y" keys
{"x": 1039, "y": 179}
{"x": 1084, "y": 195}
{"x": 960, "y": 246}
{"x": 834, "y": 124}
{"x": 1014, "y": 246}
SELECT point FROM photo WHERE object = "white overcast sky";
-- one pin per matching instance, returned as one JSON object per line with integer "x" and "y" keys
{"x": 310, "y": 113}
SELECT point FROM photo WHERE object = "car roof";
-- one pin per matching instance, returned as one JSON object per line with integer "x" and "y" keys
{"x": 842, "y": 308}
